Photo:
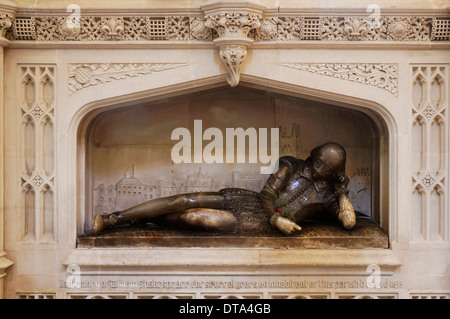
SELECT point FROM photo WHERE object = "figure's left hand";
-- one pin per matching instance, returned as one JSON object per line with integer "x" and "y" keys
{"x": 347, "y": 215}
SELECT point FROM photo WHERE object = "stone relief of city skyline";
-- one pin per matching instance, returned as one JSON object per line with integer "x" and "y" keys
{"x": 130, "y": 188}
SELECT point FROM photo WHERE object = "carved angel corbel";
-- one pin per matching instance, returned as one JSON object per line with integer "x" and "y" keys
{"x": 233, "y": 23}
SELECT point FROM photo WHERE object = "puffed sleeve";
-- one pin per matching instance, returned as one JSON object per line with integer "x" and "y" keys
{"x": 276, "y": 182}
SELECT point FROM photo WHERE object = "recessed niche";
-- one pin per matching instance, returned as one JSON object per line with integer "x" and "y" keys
{"x": 127, "y": 150}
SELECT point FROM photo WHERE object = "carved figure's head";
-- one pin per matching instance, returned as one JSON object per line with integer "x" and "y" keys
{"x": 328, "y": 161}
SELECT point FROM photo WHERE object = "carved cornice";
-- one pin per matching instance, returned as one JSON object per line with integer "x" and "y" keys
{"x": 84, "y": 75}
{"x": 233, "y": 20}
{"x": 383, "y": 75}
{"x": 233, "y": 27}
{"x": 259, "y": 27}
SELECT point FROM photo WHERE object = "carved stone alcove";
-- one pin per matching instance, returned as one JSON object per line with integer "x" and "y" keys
{"x": 90, "y": 102}
{"x": 128, "y": 161}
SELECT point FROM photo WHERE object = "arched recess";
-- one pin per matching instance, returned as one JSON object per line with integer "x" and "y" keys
{"x": 384, "y": 132}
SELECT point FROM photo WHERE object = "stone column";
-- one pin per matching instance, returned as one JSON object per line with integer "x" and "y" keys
{"x": 7, "y": 13}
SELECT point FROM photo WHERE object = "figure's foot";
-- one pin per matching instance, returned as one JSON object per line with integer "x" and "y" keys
{"x": 212, "y": 219}
{"x": 100, "y": 222}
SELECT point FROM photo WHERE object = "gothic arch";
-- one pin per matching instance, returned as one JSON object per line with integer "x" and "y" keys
{"x": 385, "y": 127}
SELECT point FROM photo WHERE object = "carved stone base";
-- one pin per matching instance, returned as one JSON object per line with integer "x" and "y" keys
{"x": 366, "y": 234}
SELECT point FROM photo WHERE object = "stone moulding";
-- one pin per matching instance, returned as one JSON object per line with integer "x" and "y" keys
{"x": 384, "y": 76}
{"x": 238, "y": 259}
{"x": 83, "y": 75}
{"x": 233, "y": 27}
{"x": 289, "y": 28}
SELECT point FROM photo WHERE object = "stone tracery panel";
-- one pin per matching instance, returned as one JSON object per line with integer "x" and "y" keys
{"x": 429, "y": 156}
{"x": 37, "y": 87}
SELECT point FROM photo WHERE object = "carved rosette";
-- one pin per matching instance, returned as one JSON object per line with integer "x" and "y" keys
{"x": 233, "y": 23}
{"x": 269, "y": 29}
{"x": 399, "y": 29}
{"x": 199, "y": 31}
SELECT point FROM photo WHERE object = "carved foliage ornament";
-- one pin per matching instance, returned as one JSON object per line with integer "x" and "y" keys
{"x": 233, "y": 24}
{"x": 269, "y": 29}
{"x": 233, "y": 56}
{"x": 229, "y": 23}
{"x": 90, "y": 74}
{"x": 408, "y": 29}
{"x": 6, "y": 22}
{"x": 233, "y": 28}
{"x": 113, "y": 29}
{"x": 383, "y": 75}
{"x": 198, "y": 29}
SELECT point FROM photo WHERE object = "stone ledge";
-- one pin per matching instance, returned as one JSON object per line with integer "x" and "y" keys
{"x": 232, "y": 260}
{"x": 318, "y": 247}
{"x": 263, "y": 45}
{"x": 325, "y": 235}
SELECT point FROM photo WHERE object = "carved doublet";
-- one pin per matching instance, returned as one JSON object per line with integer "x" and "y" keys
{"x": 297, "y": 194}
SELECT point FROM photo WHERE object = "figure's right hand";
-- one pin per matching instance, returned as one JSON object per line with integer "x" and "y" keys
{"x": 287, "y": 226}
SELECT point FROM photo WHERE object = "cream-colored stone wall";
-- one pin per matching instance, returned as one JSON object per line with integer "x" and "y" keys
{"x": 327, "y": 4}
{"x": 52, "y": 89}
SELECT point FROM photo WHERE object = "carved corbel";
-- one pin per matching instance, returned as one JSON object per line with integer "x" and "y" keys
{"x": 7, "y": 13}
{"x": 4, "y": 264}
{"x": 5, "y": 23}
{"x": 233, "y": 22}
{"x": 233, "y": 56}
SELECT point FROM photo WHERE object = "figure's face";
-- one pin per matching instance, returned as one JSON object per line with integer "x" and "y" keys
{"x": 327, "y": 163}
{"x": 322, "y": 169}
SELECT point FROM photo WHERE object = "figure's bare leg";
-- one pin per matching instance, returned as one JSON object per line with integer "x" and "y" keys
{"x": 204, "y": 218}
{"x": 212, "y": 219}
{"x": 158, "y": 207}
